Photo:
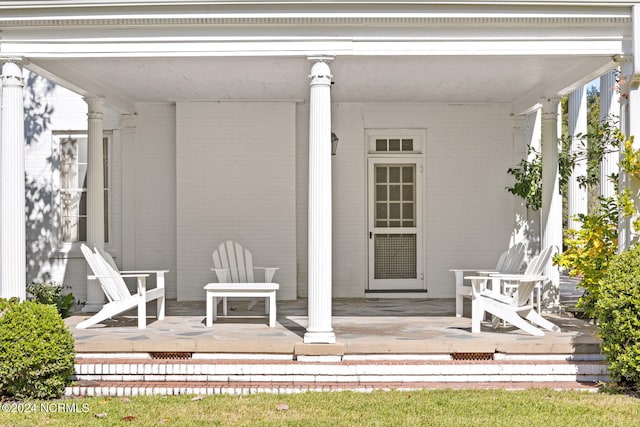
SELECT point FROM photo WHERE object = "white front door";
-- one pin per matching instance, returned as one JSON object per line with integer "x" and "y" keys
{"x": 395, "y": 223}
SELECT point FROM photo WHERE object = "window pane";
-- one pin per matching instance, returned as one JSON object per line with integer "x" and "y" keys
{"x": 381, "y": 174}
{"x": 381, "y": 193}
{"x": 82, "y": 205}
{"x": 394, "y": 174}
{"x": 394, "y": 145}
{"x": 394, "y": 224}
{"x": 70, "y": 229}
{"x": 82, "y": 229}
{"x": 407, "y": 145}
{"x": 106, "y": 215}
{"x": 381, "y": 145}
{"x": 381, "y": 223}
{"x": 105, "y": 162}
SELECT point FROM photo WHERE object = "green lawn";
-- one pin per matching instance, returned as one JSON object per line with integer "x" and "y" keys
{"x": 536, "y": 407}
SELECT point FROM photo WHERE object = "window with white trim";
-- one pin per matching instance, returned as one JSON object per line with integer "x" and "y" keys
{"x": 73, "y": 187}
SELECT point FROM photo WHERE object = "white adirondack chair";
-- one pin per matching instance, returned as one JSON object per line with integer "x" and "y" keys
{"x": 234, "y": 270}
{"x": 516, "y": 309}
{"x": 509, "y": 262}
{"x": 120, "y": 299}
{"x": 509, "y": 283}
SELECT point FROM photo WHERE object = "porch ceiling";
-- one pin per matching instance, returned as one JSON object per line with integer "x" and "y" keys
{"x": 519, "y": 80}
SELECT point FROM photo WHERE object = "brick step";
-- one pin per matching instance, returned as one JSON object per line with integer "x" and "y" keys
{"x": 110, "y": 375}
{"x": 136, "y": 388}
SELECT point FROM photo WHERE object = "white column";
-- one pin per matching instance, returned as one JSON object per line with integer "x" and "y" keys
{"x": 576, "y": 195}
{"x": 609, "y": 113}
{"x": 624, "y": 224}
{"x": 320, "y": 330}
{"x": 12, "y": 189}
{"x": 95, "y": 193}
{"x": 128, "y": 191}
{"x": 629, "y": 120}
{"x": 551, "y": 212}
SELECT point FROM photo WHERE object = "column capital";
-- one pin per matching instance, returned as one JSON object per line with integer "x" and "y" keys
{"x": 129, "y": 121}
{"x": 320, "y": 71}
{"x": 96, "y": 107}
{"x": 519, "y": 123}
{"x": 12, "y": 74}
{"x": 550, "y": 108}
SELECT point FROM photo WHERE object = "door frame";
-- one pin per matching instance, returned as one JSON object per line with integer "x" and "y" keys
{"x": 415, "y": 157}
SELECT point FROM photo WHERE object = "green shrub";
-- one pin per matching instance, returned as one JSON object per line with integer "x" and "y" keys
{"x": 51, "y": 293}
{"x": 36, "y": 350}
{"x": 618, "y": 312}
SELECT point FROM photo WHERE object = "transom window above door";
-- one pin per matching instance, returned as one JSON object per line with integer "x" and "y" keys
{"x": 395, "y": 141}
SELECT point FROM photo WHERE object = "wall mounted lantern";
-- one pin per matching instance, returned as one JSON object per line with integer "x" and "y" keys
{"x": 334, "y": 144}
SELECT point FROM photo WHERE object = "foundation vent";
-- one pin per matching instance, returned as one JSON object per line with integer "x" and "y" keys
{"x": 171, "y": 355}
{"x": 472, "y": 356}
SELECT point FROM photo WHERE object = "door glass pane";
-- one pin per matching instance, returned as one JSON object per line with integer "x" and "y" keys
{"x": 407, "y": 210}
{"x": 394, "y": 210}
{"x": 407, "y": 192}
{"x": 394, "y": 145}
{"x": 381, "y": 211}
{"x": 395, "y": 196}
{"x": 407, "y": 174}
{"x": 394, "y": 192}
{"x": 381, "y": 145}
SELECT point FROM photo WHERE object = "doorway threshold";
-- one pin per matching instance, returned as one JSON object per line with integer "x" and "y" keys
{"x": 396, "y": 293}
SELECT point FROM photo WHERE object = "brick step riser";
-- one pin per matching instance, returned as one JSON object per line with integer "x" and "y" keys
{"x": 261, "y": 373}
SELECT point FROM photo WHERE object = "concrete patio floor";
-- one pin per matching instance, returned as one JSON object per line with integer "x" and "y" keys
{"x": 362, "y": 327}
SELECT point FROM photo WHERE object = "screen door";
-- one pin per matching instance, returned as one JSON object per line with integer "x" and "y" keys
{"x": 395, "y": 224}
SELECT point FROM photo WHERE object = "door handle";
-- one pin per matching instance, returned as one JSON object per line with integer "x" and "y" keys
{"x": 371, "y": 235}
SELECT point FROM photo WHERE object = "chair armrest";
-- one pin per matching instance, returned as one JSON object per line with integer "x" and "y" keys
{"x": 269, "y": 272}
{"x": 159, "y": 275}
{"x": 93, "y": 277}
{"x": 487, "y": 272}
{"x": 144, "y": 271}
{"x": 518, "y": 277}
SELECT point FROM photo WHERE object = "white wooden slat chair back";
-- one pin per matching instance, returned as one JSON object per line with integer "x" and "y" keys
{"x": 238, "y": 261}
{"x": 535, "y": 269}
{"x": 108, "y": 284}
{"x": 513, "y": 259}
{"x": 234, "y": 264}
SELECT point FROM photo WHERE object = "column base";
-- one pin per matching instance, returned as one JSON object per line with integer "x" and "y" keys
{"x": 319, "y": 337}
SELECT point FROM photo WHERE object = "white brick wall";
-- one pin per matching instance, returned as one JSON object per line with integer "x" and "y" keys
{"x": 235, "y": 181}
{"x": 155, "y": 191}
